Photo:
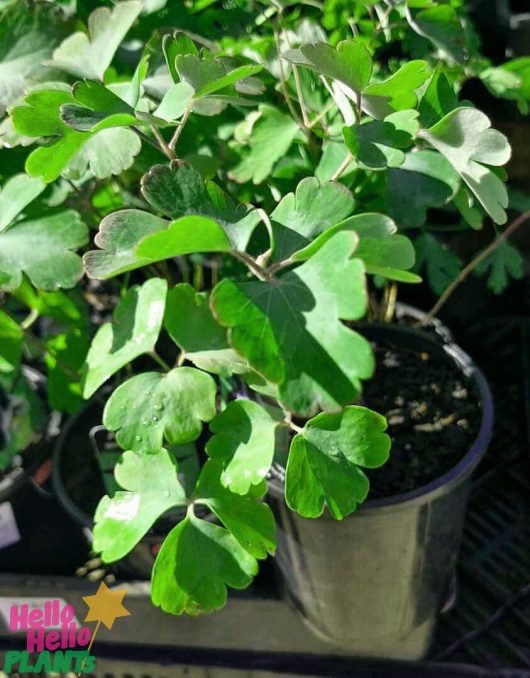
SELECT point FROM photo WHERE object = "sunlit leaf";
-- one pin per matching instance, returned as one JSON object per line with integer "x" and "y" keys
{"x": 89, "y": 55}
{"x": 150, "y": 488}
{"x": 464, "y": 136}
{"x": 289, "y": 329}
{"x": 152, "y": 407}
{"x": 324, "y": 462}
{"x": 44, "y": 250}
{"x": 244, "y": 436}
{"x": 134, "y": 330}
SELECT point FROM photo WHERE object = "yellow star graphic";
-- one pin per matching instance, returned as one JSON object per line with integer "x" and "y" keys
{"x": 106, "y": 606}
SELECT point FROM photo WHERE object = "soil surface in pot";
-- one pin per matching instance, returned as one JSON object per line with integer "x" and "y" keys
{"x": 433, "y": 413}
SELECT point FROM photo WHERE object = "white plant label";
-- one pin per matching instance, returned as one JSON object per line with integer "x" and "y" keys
{"x": 9, "y": 533}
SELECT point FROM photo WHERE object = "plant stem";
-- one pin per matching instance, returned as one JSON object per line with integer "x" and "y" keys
{"x": 342, "y": 168}
{"x": 297, "y": 81}
{"x": 28, "y": 321}
{"x": 329, "y": 106}
{"x": 391, "y": 303}
{"x": 165, "y": 148}
{"x": 294, "y": 427}
{"x": 252, "y": 264}
{"x": 154, "y": 355}
{"x": 277, "y": 266}
{"x": 283, "y": 87}
{"x": 176, "y": 136}
{"x": 467, "y": 270}
{"x": 148, "y": 140}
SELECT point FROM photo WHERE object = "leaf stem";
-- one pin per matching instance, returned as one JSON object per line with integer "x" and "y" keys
{"x": 391, "y": 303}
{"x": 329, "y": 106}
{"x": 154, "y": 355}
{"x": 28, "y": 321}
{"x": 252, "y": 265}
{"x": 278, "y": 265}
{"x": 148, "y": 140}
{"x": 467, "y": 270}
{"x": 180, "y": 127}
{"x": 293, "y": 427}
{"x": 283, "y": 86}
{"x": 165, "y": 148}
{"x": 342, "y": 167}
{"x": 296, "y": 75}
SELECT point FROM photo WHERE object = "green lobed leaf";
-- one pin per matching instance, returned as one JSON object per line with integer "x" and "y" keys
{"x": 89, "y": 55}
{"x": 39, "y": 117}
{"x": 198, "y": 560}
{"x": 500, "y": 266}
{"x": 227, "y": 80}
{"x": 464, "y": 136}
{"x": 186, "y": 235}
{"x": 97, "y": 108}
{"x": 466, "y": 204}
{"x": 323, "y": 467}
{"x": 442, "y": 266}
{"x": 425, "y": 180}
{"x": 438, "y": 99}
{"x": 134, "y": 330}
{"x": 119, "y": 234}
{"x": 106, "y": 152}
{"x": 290, "y": 332}
{"x": 190, "y": 323}
{"x": 175, "y": 102}
{"x": 178, "y": 190}
{"x": 152, "y": 407}
{"x": 440, "y": 24}
{"x": 151, "y": 488}
{"x": 247, "y": 518}
{"x": 304, "y": 214}
{"x": 16, "y": 194}
{"x": 172, "y": 46}
{"x": 212, "y": 81}
{"x": 272, "y": 136}
{"x": 44, "y": 250}
{"x": 244, "y": 437}
{"x": 350, "y": 63}
{"x": 28, "y": 33}
{"x": 379, "y": 144}
{"x": 381, "y": 248}
{"x": 198, "y": 72}
{"x": 397, "y": 92}
{"x": 180, "y": 582}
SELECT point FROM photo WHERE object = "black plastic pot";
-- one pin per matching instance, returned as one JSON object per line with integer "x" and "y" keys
{"x": 36, "y": 535}
{"x": 86, "y": 478}
{"x": 375, "y": 582}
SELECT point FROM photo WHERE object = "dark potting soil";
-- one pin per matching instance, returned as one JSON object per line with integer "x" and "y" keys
{"x": 433, "y": 413}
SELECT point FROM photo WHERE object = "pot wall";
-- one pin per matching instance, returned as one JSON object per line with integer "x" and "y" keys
{"x": 375, "y": 582}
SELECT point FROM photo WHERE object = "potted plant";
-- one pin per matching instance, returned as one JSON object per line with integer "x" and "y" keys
{"x": 241, "y": 263}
